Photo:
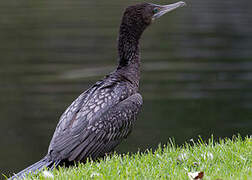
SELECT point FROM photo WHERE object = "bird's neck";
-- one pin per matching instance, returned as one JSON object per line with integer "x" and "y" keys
{"x": 128, "y": 51}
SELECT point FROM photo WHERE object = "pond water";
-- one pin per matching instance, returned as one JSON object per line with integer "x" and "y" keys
{"x": 196, "y": 71}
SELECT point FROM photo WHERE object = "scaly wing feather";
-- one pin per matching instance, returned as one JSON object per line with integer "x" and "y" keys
{"x": 109, "y": 130}
{"x": 72, "y": 129}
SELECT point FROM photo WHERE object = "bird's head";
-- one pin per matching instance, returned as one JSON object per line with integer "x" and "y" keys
{"x": 141, "y": 15}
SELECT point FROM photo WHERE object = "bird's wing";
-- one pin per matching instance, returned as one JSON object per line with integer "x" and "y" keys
{"x": 62, "y": 135}
{"x": 90, "y": 106}
{"x": 110, "y": 129}
{"x": 70, "y": 113}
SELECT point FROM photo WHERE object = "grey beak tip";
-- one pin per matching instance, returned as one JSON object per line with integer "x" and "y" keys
{"x": 182, "y": 3}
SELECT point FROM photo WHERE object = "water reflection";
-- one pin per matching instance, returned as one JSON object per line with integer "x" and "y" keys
{"x": 196, "y": 72}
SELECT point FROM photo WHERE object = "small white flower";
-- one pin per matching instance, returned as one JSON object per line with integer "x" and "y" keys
{"x": 47, "y": 174}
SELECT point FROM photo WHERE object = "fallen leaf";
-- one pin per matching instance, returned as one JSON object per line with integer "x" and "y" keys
{"x": 196, "y": 175}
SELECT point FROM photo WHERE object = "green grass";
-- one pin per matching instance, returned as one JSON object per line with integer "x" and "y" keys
{"x": 225, "y": 159}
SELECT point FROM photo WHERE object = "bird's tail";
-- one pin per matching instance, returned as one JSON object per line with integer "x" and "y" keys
{"x": 35, "y": 168}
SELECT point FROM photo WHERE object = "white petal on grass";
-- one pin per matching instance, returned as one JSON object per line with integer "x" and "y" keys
{"x": 47, "y": 174}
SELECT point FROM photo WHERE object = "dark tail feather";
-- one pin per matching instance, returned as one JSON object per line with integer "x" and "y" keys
{"x": 35, "y": 168}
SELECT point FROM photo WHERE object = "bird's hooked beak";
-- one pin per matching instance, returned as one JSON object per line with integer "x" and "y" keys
{"x": 167, "y": 8}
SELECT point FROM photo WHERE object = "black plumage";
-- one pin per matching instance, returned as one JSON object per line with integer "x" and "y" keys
{"x": 101, "y": 117}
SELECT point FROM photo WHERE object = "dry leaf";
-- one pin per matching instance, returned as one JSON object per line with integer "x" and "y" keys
{"x": 196, "y": 175}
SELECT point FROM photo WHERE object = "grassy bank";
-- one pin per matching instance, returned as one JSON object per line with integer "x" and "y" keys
{"x": 225, "y": 159}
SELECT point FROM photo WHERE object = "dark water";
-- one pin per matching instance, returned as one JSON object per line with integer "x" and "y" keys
{"x": 196, "y": 71}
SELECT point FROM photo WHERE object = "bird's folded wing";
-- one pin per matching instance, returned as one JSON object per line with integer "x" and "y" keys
{"x": 106, "y": 132}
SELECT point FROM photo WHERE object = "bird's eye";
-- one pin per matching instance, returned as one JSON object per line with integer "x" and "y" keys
{"x": 155, "y": 10}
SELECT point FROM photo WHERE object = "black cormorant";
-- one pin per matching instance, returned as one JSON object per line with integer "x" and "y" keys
{"x": 102, "y": 116}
